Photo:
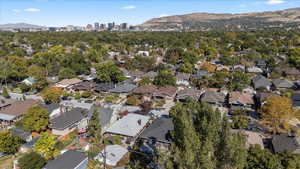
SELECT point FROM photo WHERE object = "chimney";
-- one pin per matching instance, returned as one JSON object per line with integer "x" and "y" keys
{"x": 139, "y": 122}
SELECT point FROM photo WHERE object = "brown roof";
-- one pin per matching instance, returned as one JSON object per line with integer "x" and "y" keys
{"x": 264, "y": 96}
{"x": 84, "y": 86}
{"x": 19, "y": 107}
{"x": 146, "y": 89}
{"x": 168, "y": 91}
{"x": 238, "y": 97}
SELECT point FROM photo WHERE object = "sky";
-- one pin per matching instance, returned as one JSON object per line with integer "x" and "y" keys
{"x": 83, "y": 12}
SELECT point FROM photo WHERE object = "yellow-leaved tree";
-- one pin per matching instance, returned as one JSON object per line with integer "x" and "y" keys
{"x": 276, "y": 114}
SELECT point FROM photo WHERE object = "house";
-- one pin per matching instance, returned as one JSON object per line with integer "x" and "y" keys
{"x": 296, "y": 100}
{"x": 213, "y": 97}
{"x": 29, "y": 81}
{"x": 253, "y": 138}
{"x": 282, "y": 84}
{"x": 223, "y": 68}
{"x": 68, "y": 121}
{"x": 262, "y": 97}
{"x": 183, "y": 79}
{"x": 240, "y": 68}
{"x": 286, "y": 143}
{"x": 254, "y": 69}
{"x": 145, "y": 90}
{"x": 159, "y": 130}
{"x": 104, "y": 87}
{"x": 5, "y": 102}
{"x": 200, "y": 74}
{"x": 129, "y": 126}
{"x": 24, "y": 135}
{"x": 123, "y": 88}
{"x": 84, "y": 86}
{"x": 143, "y": 53}
{"x": 261, "y": 64}
{"x": 291, "y": 72}
{"x": 68, "y": 83}
{"x": 151, "y": 75}
{"x": 261, "y": 82}
{"x": 70, "y": 159}
{"x": 53, "y": 109}
{"x": 16, "y": 110}
{"x": 240, "y": 100}
{"x": 53, "y": 79}
{"x": 112, "y": 154}
{"x": 165, "y": 92}
{"x": 182, "y": 95}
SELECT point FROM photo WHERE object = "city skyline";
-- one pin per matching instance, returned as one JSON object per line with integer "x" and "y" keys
{"x": 81, "y": 13}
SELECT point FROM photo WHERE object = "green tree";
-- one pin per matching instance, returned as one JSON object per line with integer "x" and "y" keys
{"x": 289, "y": 160}
{"x": 261, "y": 159}
{"x": 165, "y": 78}
{"x": 51, "y": 95}
{"x": 36, "y": 119}
{"x": 186, "y": 68}
{"x": 145, "y": 81}
{"x": 95, "y": 134}
{"x": 5, "y": 93}
{"x": 66, "y": 73}
{"x": 9, "y": 143}
{"x": 31, "y": 160}
{"x": 239, "y": 81}
{"x": 109, "y": 72}
{"x": 133, "y": 100}
{"x": 46, "y": 145}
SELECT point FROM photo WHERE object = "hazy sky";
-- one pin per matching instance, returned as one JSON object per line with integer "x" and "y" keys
{"x": 82, "y": 12}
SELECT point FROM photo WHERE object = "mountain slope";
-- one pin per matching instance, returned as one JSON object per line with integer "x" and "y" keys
{"x": 19, "y": 26}
{"x": 210, "y": 20}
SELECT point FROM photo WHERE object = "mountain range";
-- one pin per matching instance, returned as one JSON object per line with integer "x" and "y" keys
{"x": 282, "y": 18}
{"x": 19, "y": 26}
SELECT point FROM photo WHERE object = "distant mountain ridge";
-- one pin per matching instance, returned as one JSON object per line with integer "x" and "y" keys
{"x": 19, "y": 26}
{"x": 287, "y": 17}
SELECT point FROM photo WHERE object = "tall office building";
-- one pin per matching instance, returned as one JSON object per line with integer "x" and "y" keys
{"x": 111, "y": 26}
{"x": 124, "y": 26}
{"x": 97, "y": 26}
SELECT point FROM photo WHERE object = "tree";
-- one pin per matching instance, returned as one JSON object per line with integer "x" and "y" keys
{"x": 95, "y": 133}
{"x": 289, "y": 160}
{"x": 145, "y": 81}
{"x": 51, "y": 95}
{"x": 109, "y": 72}
{"x": 5, "y": 93}
{"x": 46, "y": 145}
{"x": 36, "y": 119}
{"x": 133, "y": 100}
{"x": 186, "y": 68}
{"x": 277, "y": 112}
{"x": 261, "y": 159}
{"x": 165, "y": 78}
{"x": 239, "y": 81}
{"x": 31, "y": 160}
{"x": 9, "y": 143}
{"x": 66, "y": 73}
{"x": 174, "y": 55}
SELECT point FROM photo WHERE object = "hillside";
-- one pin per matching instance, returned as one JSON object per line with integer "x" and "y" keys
{"x": 288, "y": 17}
{"x": 19, "y": 26}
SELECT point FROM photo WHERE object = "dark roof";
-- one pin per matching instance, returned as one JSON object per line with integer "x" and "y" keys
{"x": 20, "y": 133}
{"x": 166, "y": 91}
{"x": 183, "y": 76}
{"x": 200, "y": 74}
{"x": 213, "y": 97}
{"x": 68, "y": 118}
{"x": 104, "y": 87}
{"x": 159, "y": 129}
{"x": 262, "y": 96}
{"x": 296, "y": 99}
{"x": 284, "y": 142}
{"x": 68, "y": 160}
{"x": 105, "y": 114}
{"x": 145, "y": 89}
{"x": 84, "y": 86}
{"x": 261, "y": 81}
{"x": 123, "y": 88}
{"x": 192, "y": 93}
{"x": 282, "y": 83}
{"x": 50, "y": 107}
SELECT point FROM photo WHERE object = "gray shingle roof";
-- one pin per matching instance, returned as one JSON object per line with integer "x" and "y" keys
{"x": 159, "y": 129}
{"x": 20, "y": 133}
{"x": 68, "y": 160}
{"x": 261, "y": 81}
{"x": 105, "y": 114}
{"x": 184, "y": 94}
{"x": 213, "y": 97}
{"x": 104, "y": 87}
{"x": 284, "y": 142}
{"x": 50, "y": 107}
{"x": 68, "y": 118}
{"x": 123, "y": 88}
{"x": 282, "y": 83}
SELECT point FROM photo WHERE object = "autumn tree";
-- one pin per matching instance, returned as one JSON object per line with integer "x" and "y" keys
{"x": 276, "y": 113}
{"x": 46, "y": 145}
{"x": 36, "y": 119}
{"x": 52, "y": 95}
